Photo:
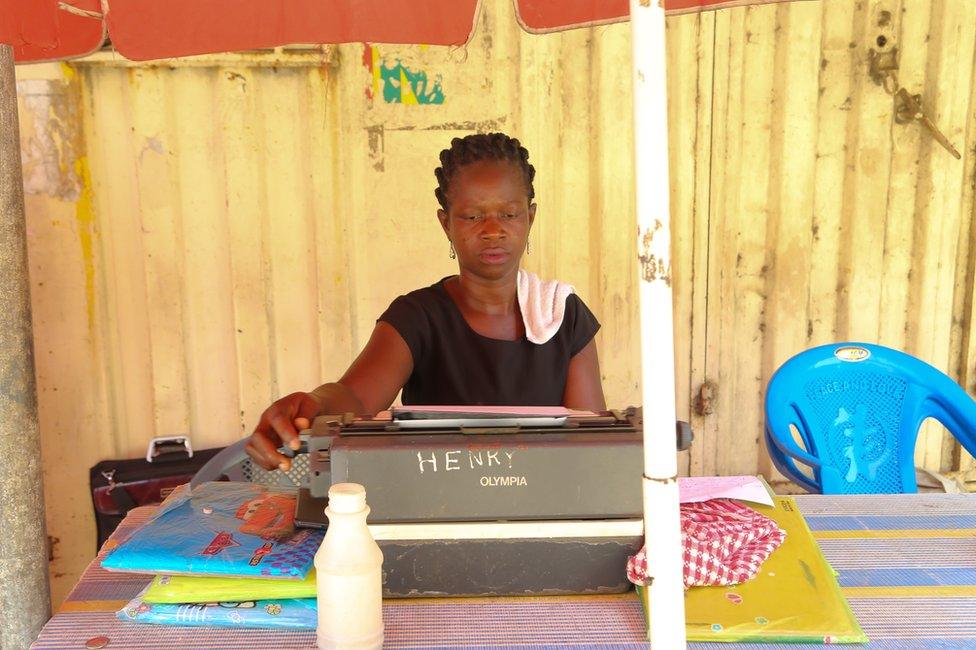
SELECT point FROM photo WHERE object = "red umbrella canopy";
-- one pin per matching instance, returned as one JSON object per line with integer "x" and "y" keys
{"x": 151, "y": 29}
{"x": 39, "y": 30}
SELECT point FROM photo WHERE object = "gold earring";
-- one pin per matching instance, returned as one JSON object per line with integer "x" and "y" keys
{"x": 528, "y": 247}
{"x": 452, "y": 254}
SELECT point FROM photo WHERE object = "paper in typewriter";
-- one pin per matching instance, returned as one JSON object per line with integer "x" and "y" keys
{"x": 794, "y": 598}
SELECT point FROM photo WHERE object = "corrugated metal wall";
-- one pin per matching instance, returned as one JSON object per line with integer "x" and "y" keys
{"x": 209, "y": 234}
{"x": 827, "y": 219}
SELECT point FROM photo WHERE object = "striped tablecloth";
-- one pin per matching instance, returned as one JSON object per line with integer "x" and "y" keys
{"x": 907, "y": 565}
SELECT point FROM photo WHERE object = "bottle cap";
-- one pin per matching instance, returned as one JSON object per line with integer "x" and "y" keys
{"x": 347, "y": 497}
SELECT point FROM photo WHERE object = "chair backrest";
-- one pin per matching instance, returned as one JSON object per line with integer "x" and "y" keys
{"x": 850, "y": 413}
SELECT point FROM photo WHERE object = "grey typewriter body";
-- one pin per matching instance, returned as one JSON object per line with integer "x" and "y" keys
{"x": 486, "y": 509}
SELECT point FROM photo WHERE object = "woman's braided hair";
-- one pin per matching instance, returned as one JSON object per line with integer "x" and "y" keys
{"x": 477, "y": 147}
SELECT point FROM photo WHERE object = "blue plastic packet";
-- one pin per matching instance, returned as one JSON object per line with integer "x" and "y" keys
{"x": 288, "y": 613}
{"x": 221, "y": 529}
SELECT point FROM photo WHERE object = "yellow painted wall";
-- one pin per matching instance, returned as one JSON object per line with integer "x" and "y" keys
{"x": 208, "y": 234}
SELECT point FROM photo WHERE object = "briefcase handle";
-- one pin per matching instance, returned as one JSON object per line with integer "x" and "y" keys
{"x": 168, "y": 445}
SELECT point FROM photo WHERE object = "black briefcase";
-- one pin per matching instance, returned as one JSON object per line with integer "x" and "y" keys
{"x": 118, "y": 486}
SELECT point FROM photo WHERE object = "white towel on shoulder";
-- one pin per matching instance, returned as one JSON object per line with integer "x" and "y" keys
{"x": 543, "y": 304}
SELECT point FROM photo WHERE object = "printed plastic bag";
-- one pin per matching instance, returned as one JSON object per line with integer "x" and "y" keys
{"x": 287, "y": 613}
{"x": 221, "y": 529}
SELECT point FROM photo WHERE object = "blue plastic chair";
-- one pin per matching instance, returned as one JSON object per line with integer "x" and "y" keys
{"x": 857, "y": 409}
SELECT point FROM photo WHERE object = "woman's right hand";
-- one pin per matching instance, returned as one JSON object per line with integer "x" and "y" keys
{"x": 278, "y": 427}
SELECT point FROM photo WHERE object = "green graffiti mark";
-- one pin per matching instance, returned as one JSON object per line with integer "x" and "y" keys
{"x": 401, "y": 85}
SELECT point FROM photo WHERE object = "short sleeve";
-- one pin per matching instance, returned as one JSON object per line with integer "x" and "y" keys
{"x": 584, "y": 324}
{"x": 411, "y": 322}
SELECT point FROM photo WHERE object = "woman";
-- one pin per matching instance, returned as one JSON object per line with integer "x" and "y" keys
{"x": 463, "y": 340}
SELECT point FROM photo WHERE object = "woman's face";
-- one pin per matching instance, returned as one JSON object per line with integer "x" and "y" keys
{"x": 488, "y": 217}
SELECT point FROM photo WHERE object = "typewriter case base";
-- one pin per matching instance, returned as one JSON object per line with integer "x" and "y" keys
{"x": 520, "y": 558}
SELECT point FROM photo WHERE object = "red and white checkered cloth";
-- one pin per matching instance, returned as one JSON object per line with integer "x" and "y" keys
{"x": 724, "y": 543}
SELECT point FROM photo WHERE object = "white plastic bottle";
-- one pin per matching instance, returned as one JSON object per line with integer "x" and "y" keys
{"x": 348, "y": 566}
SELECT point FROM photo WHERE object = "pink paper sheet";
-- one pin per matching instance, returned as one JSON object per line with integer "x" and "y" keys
{"x": 702, "y": 488}
{"x": 527, "y": 411}
{"x": 543, "y": 411}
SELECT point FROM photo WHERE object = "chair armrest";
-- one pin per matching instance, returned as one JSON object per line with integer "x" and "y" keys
{"x": 788, "y": 447}
{"x": 959, "y": 419}
{"x": 787, "y": 466}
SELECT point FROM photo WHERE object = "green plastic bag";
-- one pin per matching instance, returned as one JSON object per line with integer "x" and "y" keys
{"x": 189, "y": 589}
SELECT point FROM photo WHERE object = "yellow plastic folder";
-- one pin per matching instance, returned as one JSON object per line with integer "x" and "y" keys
{"x": 189, "y": 589}
{"x": 794, "y": 597}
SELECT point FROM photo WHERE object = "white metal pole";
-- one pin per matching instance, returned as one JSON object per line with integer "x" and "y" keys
{"x": 662, "y": 528}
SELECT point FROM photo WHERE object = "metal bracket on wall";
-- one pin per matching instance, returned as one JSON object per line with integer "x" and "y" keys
{"x": 704, "y": 401}
{"x": 883, "y": 70}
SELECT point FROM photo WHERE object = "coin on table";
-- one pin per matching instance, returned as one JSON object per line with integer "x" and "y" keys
{"x": 96, "y": 642}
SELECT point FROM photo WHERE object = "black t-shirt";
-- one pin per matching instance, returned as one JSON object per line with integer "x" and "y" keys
{"x": 453, "y": 364}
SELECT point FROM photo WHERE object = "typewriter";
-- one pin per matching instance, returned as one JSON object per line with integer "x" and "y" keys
{"x": 467, "y": 502}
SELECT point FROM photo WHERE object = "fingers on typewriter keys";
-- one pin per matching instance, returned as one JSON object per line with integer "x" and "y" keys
{"x": 263, "y": 451}
{"x": 283, "y": 426}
